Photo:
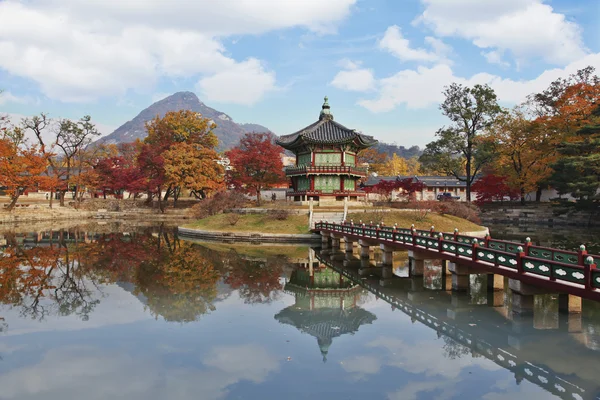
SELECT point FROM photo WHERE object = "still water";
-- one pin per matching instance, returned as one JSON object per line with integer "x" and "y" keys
{"x": 128, "y": 312}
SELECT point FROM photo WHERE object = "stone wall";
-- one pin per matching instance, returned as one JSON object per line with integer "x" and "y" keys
{"x": 535, "y": 214}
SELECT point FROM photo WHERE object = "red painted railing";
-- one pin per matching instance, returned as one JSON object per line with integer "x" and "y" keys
{"x": 569, "y": 270}
{"x": 325, "y": 169}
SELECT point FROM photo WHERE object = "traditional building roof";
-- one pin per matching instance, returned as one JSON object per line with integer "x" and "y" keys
{"x": 429, "y": 181}
{"x": 325, "y": 131}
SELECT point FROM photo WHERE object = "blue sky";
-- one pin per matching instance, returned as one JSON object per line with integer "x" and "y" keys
{"x": 383, "y": 63}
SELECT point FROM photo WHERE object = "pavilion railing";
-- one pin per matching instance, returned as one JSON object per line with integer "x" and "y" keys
{"x": 555, "y": 264}
{"x": 325, "y": 169}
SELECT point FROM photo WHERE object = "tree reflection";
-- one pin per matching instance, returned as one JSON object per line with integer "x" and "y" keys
{"x": 66, "y": 271}
{"x": 179, "y": 284}
{"x": 257, "y": 281}
{"x": 46, "y": 280}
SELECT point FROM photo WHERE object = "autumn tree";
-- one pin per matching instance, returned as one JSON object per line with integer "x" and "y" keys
{"x": 458, "y": 151}
{"x": 394, "y": 166}
{"x": 20, "y": 166}
{"x": 524, "y": 151}
{"x": 194, "y": 168}
{"x": 72, "y": 138}
{"x": 256, "y": 163}
{"x": 492, "y": 187}
{"x": 563, "y": 109}
{"x": 406, "y": 188}
{"x": 179, "y": 152}
{"x": 374, "y": 158}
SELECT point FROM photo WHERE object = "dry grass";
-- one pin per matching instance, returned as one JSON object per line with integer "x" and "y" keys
{"x": 260, "y": 223}
{"x": 405, "y": 219}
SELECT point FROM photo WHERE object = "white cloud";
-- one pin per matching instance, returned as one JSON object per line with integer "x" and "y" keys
{"x": 394, "y": 42}
{"x": 7, "y": 97}
{"x": 495, "y": 57}
{"x": 80, "y": 51}
{"x": 77, "y": 372}
{"x": 244, "y": 83}
{"x": 353, "y": 77}
{"x": 422, "y": 87}
{"x": 529, "y": 29}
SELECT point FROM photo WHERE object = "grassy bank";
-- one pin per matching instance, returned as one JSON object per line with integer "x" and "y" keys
{"x": 298, "y": 224}
{"x": 405, "y": 219}
{"x": 252, "y": 223}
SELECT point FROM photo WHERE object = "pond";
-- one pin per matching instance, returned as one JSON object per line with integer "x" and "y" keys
{"x": 123, "y": 311}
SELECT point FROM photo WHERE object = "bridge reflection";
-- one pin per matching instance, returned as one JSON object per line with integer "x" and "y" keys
{"x": 548, "y": 349}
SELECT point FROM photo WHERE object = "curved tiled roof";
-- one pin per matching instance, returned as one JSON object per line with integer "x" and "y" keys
{"x": 325, "y": 131}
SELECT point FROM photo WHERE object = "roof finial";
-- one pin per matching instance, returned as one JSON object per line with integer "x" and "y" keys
{"x": 325, "y": 111}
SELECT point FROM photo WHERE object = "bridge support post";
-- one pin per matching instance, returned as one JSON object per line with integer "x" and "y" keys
{"x": 522, "y": 296}
{"x": 335, "y": 241}
{"x": 388, "y": 254}
{"x": 569, "y": 304}
{"x": 417, "y": 267}
{"x": 365, "y": 249}
{"x": 348, "y": 245}
{"x": 460, "y": 277}
{"x": 325, "y": 239}
{"x": 495, "y": 282}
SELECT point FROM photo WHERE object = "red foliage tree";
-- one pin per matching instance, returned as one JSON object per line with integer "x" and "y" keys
{"x": 406, "y": 187}
{"x": 256, "y": 163}
{"x": 118, "y": 174}
{"x": 492, "y": 187}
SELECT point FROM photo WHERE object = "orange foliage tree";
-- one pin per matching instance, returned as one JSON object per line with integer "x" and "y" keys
{"x": 20, "y": 168}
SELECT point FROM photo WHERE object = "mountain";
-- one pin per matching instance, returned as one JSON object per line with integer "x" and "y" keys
{"x": 228, "y": 131}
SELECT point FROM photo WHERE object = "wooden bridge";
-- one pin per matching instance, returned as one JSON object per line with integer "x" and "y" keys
{"x": 491, "y": 344}
{"x": 531, "y": 269}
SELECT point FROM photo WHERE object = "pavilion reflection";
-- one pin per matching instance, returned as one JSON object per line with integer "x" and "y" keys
{"x": 327, "y": 304}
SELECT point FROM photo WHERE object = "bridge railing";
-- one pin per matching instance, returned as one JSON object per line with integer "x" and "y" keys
{"x": 554, "y": 264}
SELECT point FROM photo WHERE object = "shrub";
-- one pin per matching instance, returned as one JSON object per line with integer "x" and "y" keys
{"x": 220, "y": 202}
{"x": 278, "y": 214}
{"x": 468, "y": 211}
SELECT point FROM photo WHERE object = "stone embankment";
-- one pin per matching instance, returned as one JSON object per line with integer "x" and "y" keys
{"x": 36, "y": 213}
{"x": 535, "y": 214}
{"x": 252, "y": 237}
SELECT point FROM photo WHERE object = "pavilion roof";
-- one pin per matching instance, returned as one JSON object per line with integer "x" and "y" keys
{"x": 325, "y": 131}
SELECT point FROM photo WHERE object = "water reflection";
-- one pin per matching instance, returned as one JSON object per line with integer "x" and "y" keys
{"x": 327, "y": 305}
{"x": 159, "y": 317}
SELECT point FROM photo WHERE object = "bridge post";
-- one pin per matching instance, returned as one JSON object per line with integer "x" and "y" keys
{"x": 365, "y": 249}
{"x": 348, "y": 245}
{"x": 522, "y": 296}
{"x": 460, "y": 277}
{"x": 569, "y": 304}
{"x": 335, "y": 241}
{"x": 570, "y": 308}
{"x": 325, "y": 239}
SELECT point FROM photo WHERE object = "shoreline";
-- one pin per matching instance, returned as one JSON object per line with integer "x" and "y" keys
{"x": 251, "y": 237}
{"x": 44, "y": 215}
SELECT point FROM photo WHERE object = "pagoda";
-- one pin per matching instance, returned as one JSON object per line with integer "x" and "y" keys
{"x": 326, "y": 153}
